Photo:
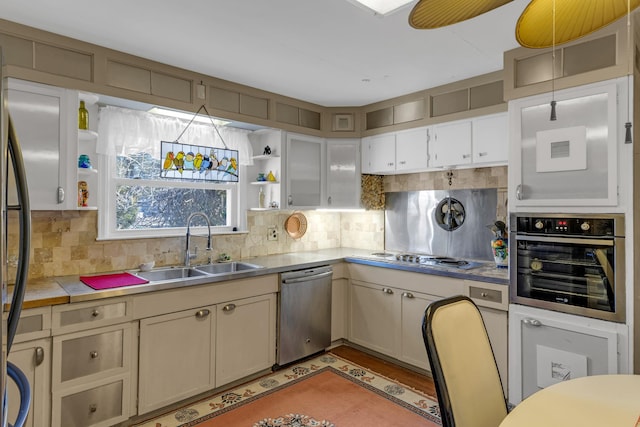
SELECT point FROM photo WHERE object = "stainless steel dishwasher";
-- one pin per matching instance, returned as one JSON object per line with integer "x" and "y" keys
{"x": 304, "y": 320}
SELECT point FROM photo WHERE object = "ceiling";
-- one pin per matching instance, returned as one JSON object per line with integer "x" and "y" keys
{"x": 327, "y": 52}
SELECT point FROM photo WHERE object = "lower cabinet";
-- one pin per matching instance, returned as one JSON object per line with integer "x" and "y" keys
{"x": 177, "y": 357}
{"x": 195, "y": 350}
{"x": 33, "y": 358}
{"x": 94, "y": 347}
{"x": 245, "y": 337}
{"x": 388, "y": 320}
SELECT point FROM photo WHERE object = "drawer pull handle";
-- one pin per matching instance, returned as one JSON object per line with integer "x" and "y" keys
{"x": 408, "y": 295}
{"x": 95, "y": 313}
{"x": 201, "y": 314}
{"x": 93, "y": 407}
{"x": 387, "y": 291}
{"x": 484, "y": 294}
{"x": 532, "y": 322}
{"x": 39, "y": 356}
{"x": 229, "y": 307}
{"x": 94, "y": 354}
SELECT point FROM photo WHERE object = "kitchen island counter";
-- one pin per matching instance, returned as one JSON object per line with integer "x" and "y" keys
{"x": 65, "y": 289}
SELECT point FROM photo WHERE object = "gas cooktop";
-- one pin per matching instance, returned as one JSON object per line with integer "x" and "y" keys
{"x": 426, "y": 260}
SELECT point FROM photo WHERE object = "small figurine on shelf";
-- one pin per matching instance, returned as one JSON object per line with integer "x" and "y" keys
{"x": 271, "y": 177}
{"x": 83, "y": 194}
{"x": 267, "y": 151}
{"x": 83, "y": 117}
{"x": 261, "y": 177}
{"x": 84, "y": 162}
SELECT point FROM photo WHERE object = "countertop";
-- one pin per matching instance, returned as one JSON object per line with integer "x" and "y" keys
{"x": 66, "y": 289}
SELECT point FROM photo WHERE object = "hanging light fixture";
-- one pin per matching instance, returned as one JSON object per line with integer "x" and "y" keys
{"x": 574, "y": 19}
{"x": 429, "y": 14}
{"x": 553, "y": 117}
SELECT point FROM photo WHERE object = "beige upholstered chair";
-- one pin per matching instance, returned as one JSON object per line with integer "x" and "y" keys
{"x": 462, "y": 364}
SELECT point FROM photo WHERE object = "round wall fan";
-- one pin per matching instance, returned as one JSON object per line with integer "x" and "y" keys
{"x": 449, "y": 214}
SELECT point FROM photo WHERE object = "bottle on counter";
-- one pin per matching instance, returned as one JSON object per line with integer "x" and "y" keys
{"x": 261, "y": 199}
{"x": 83, "y": 117}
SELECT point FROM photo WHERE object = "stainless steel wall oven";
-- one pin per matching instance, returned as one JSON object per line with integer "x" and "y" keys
{"x": 572, "y": 263}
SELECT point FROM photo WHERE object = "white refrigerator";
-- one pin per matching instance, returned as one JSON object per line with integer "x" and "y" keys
{"x": 13, "y": 179}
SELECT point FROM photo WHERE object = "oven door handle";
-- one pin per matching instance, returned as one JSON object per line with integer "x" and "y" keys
{"x": 569, "y": 240}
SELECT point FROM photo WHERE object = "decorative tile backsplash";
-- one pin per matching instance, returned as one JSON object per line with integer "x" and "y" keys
{"x": 64, "y": 242}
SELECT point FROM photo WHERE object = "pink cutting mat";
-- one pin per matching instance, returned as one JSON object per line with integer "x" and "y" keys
{"x": 110, "y": 281}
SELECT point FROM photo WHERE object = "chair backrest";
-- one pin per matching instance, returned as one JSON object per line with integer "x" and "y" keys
{"x": 462, "y": 364}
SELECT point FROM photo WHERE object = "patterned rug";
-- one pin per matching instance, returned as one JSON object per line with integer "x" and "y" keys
{"x": 326, "y": 391}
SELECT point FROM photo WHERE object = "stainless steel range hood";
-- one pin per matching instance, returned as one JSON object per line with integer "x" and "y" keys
{"x": 443, "y": 223}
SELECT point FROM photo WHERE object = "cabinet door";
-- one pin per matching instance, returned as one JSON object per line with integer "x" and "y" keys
{"x": 177, "y": 358}
{"x": 305, "y": 171}
{"x": 411, "y": 150}
{"x": 490, "y": 139}
{"x": 382, "y": 154}
{"x": 451, "y": 144}
{"x": 34, "y": 360}
{"x": 245, "y": 337}
{"x": 412, "y": 349}
{"x": 375, "y": 313}
{"x": 39, "y": 117}
{"x": 343, "y": 173}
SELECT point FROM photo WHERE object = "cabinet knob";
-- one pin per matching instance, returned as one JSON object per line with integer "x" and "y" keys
{"x": 95, "y": 313}
{"x": 229, "y": 307}
{"x": 484, "y": 153}
{"x": 201, "y": 314}
{"x": 466, "y": 156}
{"x": 387, "y": 291}
{"x": 290, "y": 200}
{"x": 39, "y": 354}
{"x": 402, "y": 162}
{"x": 93, "y": 407}
{"x": 93, "y": 354}
{"x": 408, "y": 295}
{"x": 329, "y": 200}
{"x": 483, "y": 294}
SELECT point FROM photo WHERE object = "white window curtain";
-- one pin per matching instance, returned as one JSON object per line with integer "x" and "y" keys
{"x": 123, "y": 132}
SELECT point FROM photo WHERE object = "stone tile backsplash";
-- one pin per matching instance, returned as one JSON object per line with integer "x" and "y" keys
{"x": 64, "y": 242}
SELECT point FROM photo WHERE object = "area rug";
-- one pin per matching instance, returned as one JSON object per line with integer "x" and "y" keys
{"x": 326, "y": 391}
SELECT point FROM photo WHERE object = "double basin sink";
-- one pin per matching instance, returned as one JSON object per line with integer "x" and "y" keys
{"x": 199, "y": 271}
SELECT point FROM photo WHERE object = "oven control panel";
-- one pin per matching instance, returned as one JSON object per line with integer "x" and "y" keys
{"x": 568, "y": 226}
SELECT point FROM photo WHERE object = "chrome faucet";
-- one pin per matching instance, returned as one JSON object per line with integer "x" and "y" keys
{"x": 187, "y": 255}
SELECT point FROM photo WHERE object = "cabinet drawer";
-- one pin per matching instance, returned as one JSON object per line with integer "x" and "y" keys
{"x": 91, "y": 354}
{"x": 488, "y": 294}
{"x": 102, "y": 405}
{"x": 485, "y": 294}
{"x": 34, "y": 323}
{"x": 75, "y": 317}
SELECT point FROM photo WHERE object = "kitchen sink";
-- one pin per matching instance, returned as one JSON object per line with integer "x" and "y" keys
{"x": 173, "y": 273}
{"x": 226, "y": 267}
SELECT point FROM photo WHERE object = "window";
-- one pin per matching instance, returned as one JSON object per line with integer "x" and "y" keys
{"x": 138, "y": 200}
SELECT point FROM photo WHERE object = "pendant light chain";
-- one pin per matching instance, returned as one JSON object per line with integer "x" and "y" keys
{"x": 628, "y": 138}
{"x": 553, "y": 116}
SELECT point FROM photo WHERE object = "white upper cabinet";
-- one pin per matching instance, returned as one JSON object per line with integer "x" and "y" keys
{"x": 576, "y": 159}
{"x": 306, "y": 163}
{"x": 451, "y": 144}
{"x": 39, "y": 115}
{"x": 411, "y": 150}
{"x": 491, "y": 139}
{"x": 382, "y": 153}
{"x": 343, "y": 173}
